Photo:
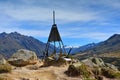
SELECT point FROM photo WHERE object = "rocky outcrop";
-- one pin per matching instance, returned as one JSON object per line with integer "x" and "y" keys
{"x": 23, "y": 57}
{"x": 93, "y": 68}
{"x": 19, "y": 41}
{"x": 94, "y": 62}
{"x": 98, "y": 62}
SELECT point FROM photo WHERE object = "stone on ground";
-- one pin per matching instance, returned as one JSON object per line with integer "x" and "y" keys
{"x": 23, "y": 57}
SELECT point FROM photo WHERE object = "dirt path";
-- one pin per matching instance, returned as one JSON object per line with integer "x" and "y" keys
{"x": 45, "y": 73}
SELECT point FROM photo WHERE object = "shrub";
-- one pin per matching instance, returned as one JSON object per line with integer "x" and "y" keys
{"x": 5, "y": 68}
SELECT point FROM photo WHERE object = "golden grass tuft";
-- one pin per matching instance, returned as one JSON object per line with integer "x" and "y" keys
{"x": 110, "y": 73}
{"x": 77, "y": 70}
{"x": 52, "y": 62}
{"x": 4, "y": 68}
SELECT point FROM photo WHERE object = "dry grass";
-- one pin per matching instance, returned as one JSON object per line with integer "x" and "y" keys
{"x": 79, "y": 70}
{"x": 110, "y": 73}
{"x": 47, "y": 73}
{"x": 113, "y": 54}
{"x": 5, "y": 68}
{"x": 4, "y": 77}
{"x": 53, "y": 62}
{"x": 44, "y": 73}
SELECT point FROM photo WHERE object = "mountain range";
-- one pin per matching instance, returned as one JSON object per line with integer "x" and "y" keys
{"x": 78, "y": 49}
{"x": 10, "y": 43}
{"x": 107, "y": 48}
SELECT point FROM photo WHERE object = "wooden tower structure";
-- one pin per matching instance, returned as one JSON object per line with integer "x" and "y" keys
{"x": 54, "y": 40}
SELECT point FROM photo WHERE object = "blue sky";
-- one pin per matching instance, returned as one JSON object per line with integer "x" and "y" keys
{"x": 79, "y": 21}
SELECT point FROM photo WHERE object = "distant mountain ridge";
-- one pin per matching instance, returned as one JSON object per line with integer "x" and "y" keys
{"x": 78, "y": 49}
{"x": 10, "y": 43}
{"x": 85, "y": 47}
{"x": 111, "y": 45}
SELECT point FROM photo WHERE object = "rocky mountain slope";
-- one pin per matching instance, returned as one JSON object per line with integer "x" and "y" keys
{"x": 111, "y": 45}
{"x": 10, "y": 43}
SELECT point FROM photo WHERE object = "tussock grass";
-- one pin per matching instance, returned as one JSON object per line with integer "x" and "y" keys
{"x": 77, "y": 70}
{"x": 110, "y": 73}
{"x": 52, "y": 62}
{"x": 4, "y": 68}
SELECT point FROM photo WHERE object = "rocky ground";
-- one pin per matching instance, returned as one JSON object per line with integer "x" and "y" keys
{"x": 29, "y": 67}
{"x": 43, "y": 73}
{"x": 34, "y": 72}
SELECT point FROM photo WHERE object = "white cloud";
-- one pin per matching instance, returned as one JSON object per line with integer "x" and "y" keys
{"x": 90, "y": 35}
{"x": 45, "y": 14}
{"x": 114, "y": 4}
{"x": 99, "y": 12}
{"x": 35, "y": 14}
{"x": 35, "y": 33}
{"x": 66, "y": 11}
